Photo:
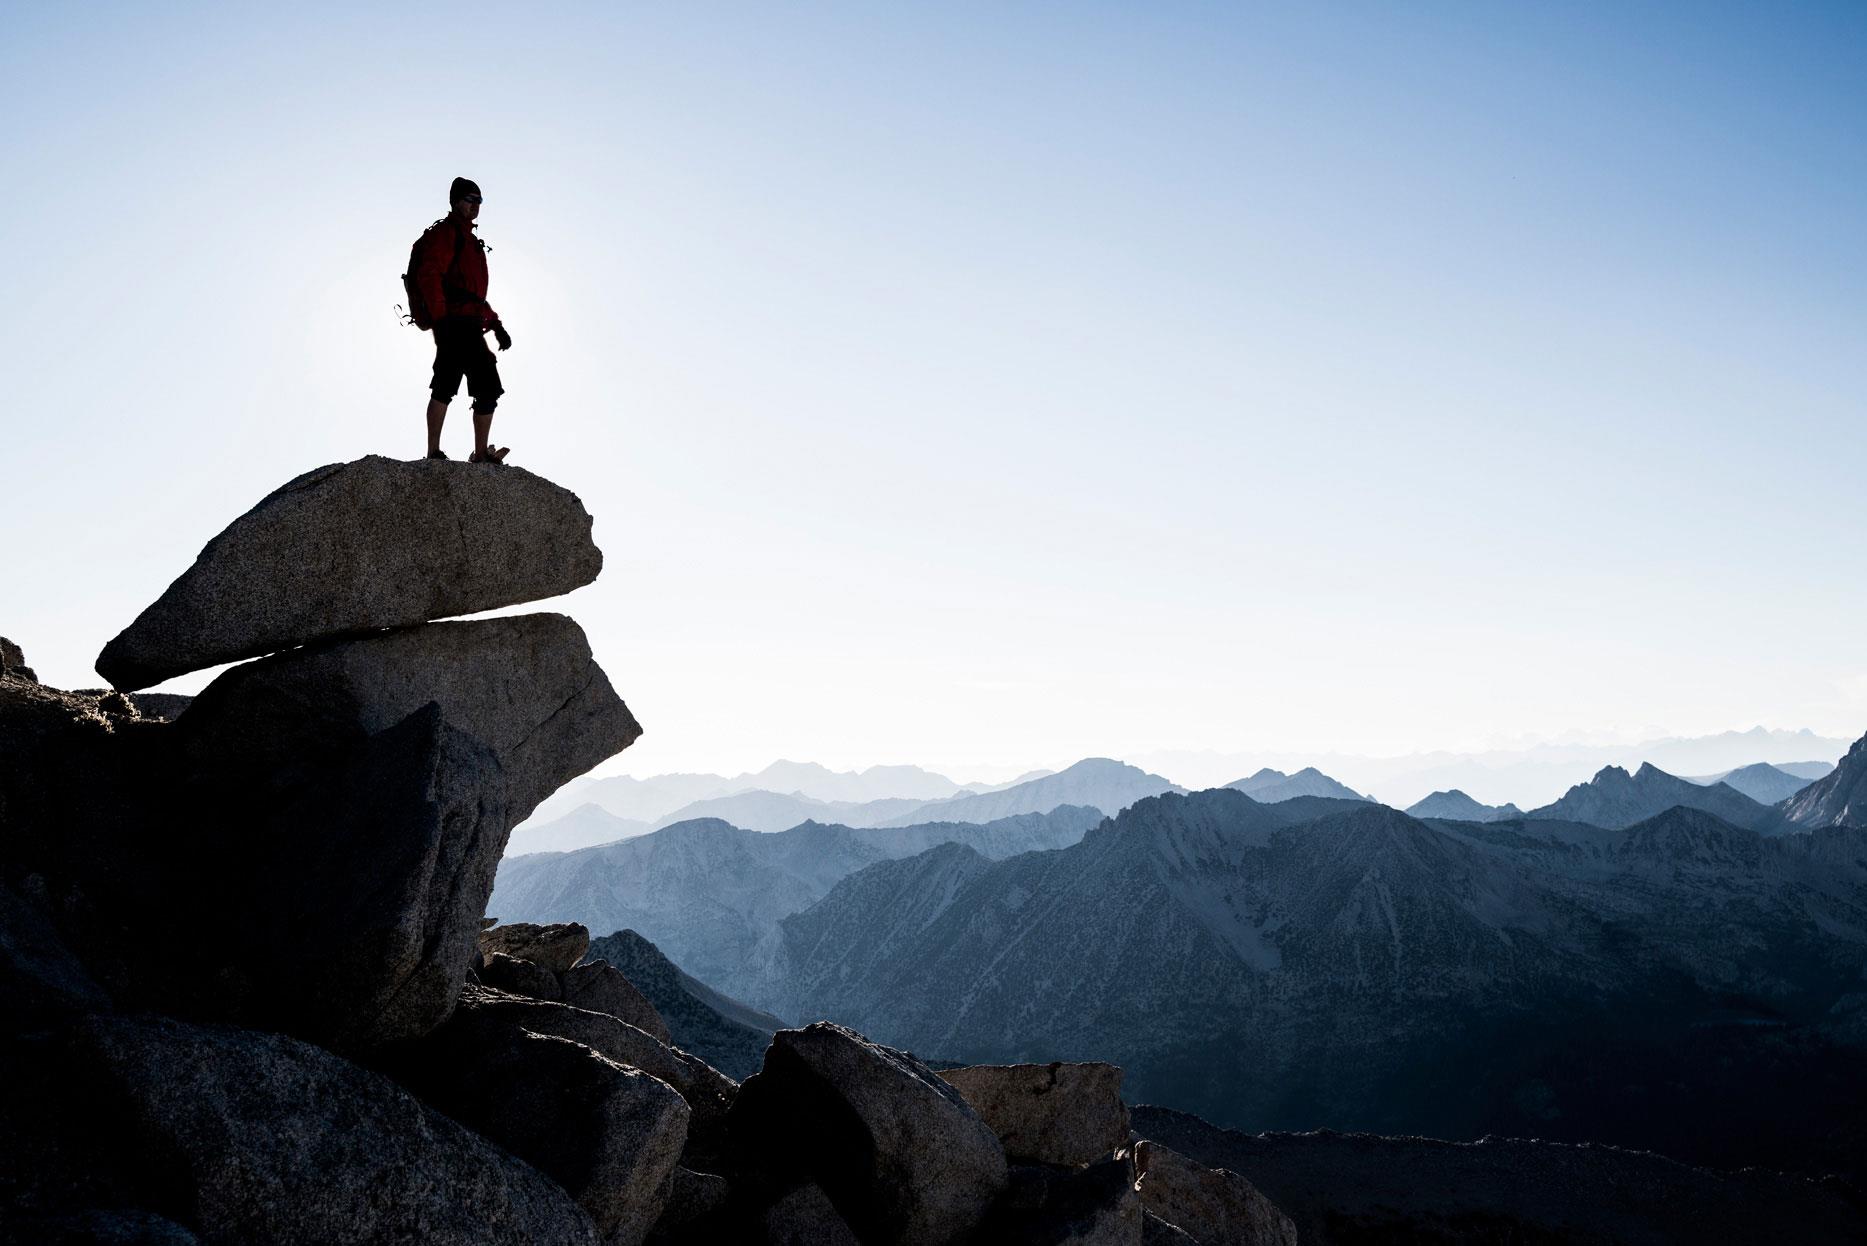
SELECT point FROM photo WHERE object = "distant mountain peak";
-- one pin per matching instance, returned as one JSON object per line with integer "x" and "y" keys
{"x": 1838, "y": 799}
{"x": 1615, "y": 799}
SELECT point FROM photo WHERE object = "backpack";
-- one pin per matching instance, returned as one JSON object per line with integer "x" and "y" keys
{"x": 417, "y": 313}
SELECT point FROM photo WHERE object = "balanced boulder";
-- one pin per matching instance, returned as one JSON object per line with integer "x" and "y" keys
{"x": 261, "y": 1138}
{"x": 898, "y": 1152}
{"x": 526, "y": 686}
{"x": 1048, "y": 1113}
{"x": 356, "y": 546}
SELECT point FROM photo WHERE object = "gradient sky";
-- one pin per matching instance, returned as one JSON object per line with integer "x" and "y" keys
{"x": 994, "y": 385}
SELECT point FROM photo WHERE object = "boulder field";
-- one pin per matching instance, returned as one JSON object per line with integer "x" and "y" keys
{"x": 249, "y": 992}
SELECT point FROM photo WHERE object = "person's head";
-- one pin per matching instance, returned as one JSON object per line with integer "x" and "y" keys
{"x": 464, "y": 195}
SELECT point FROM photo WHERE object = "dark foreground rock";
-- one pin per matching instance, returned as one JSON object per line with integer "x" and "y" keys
{"x": 611, "y": 1135}
{"x": 1048, "y": 1113}
{"x": 1215, "y": 1206}
{"x": 356, "y": 546}
{"x": 729, "y": 1035}
{"x": 13, "y": 663}
{"x": 241, "y": 1136}
{"x": 897, "y": 1150}
{"x": 1047, "y": 1205}
{"x": 707, "y": 1091}
{"x": 525, "y": 686}
{"x": 41, "y": 982}
{"x": 1356, "y": 1189}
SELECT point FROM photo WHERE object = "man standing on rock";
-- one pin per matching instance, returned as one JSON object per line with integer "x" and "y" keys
{"x": 450, "y": 278}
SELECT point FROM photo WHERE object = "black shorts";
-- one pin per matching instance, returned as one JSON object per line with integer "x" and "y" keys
{"x": 460, "y": 349}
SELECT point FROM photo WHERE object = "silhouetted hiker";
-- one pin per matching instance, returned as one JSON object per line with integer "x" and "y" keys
{"x": 449, "y": 273}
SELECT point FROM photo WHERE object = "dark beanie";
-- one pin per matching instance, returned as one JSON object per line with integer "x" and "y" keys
{"x": 461, "y": 189}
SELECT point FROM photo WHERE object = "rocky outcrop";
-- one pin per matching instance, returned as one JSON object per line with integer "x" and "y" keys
{"x": 357, "y": 546}
{"x": 520, "y": 977}
{"x": 1213, "y": 1205}
{"x": 1069, "y": 1114}
{"x": 525, "y": 686}
{"x": 600, "y": 986}
{"x": 805, "y": 1217}
{"x": 610, "y": 1135}
{"x": 1837, "y": 799}
{"x": 1095, "y": 1205}
{"x": 261, "y": 1138}
{"x": 707, "y": 1091}
{"x": 729, "y": 1035}
{"x": 555, "y": 947}
{"x": 13, "y": 663}
{"x": 897, "y": 1150}
{"x": 40, "y": 980}
{"x": 305, "y": 851}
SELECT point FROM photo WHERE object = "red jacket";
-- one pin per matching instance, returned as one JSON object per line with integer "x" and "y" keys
{"x": 449, "y": 289}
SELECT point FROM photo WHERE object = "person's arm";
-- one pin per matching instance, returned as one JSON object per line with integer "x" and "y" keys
{"x": 437, "y": 255}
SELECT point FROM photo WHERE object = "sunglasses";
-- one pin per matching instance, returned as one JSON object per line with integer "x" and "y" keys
{"x": 474, "y": 199}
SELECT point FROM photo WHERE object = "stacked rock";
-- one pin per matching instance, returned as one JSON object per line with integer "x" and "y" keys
{"x": 288, "y": 881}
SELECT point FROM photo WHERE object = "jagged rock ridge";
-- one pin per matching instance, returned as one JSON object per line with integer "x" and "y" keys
{"x": 1616, "y": 799}
{"x": 711, "y": 895}
{"x": 1352, "y": 971}
{"x": 1839, "y": 799}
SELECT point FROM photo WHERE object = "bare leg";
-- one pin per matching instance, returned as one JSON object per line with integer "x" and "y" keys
{"x": 482, "y": 428}
{"x": 437, "y": 412}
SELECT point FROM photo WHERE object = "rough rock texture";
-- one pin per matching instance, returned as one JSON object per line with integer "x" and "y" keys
{"x": 806, "y": 1217}
{"x": 40, "y": 980}
{"x": 13, "y": 662}
{"x": 601, "y": 987}
{"x": 1157, "y": 1232}
{"x": 1217, "y": 1206}
{"x": 520, "y": 977}
{"x": 693, "y": 1209}
{"x": 556, "y": 947}
{"x": 727, "y": 1034}
{"x": 1048, "y": 1113}
{"x": 356, "y": 546}
{"x": 96, "y": 1227}
{"x": 261, "y": 1138}
{"x": 708, "y": 1092}
{"x": 1052, "y": 1206}
{"x": 609, "y": 1135}
{"x": 525, "y": 686}
{"x": 898, "y": 1151}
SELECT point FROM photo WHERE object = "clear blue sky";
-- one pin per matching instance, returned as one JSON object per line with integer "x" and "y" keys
{"x": 1000, "y": 383}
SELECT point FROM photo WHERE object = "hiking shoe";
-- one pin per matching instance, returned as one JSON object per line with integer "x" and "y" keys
{"x": 437, "y": 454}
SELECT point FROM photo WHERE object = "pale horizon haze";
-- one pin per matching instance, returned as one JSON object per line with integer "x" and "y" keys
{"x": 988, "y": 386}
